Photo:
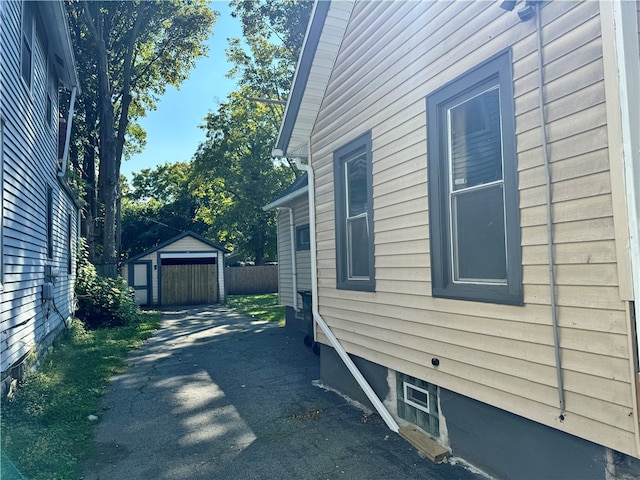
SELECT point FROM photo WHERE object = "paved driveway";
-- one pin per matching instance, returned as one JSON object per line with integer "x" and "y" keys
{"x": 217, "y": 395}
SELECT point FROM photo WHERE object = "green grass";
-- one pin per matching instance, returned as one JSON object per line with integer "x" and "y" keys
{"x": 263, "y": 307}
{"x": 45, "y": 429}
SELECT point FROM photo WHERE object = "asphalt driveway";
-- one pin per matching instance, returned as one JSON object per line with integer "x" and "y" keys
{"x": 217, "y": 395}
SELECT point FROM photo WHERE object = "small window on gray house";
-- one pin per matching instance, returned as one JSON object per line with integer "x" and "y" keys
{"x": 354, "y": 215}
{"x": 28, "y": 28}
{"x": 49, "y": 221}
{"x": 303, "y": 239}
{"x": 473, "y": 191}
{"x": 69, "y": 244}
{"x": 51, "y": 96}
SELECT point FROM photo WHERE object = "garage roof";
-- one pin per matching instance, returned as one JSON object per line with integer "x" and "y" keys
{"x": 175, "y": 239}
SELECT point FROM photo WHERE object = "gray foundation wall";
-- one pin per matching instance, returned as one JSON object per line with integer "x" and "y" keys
{"x": 507, "y": 446}
{"x": 499, "y": 443}
{"x": 334, "y": 374}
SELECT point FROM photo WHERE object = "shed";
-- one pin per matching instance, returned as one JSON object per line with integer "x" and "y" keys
{"x": 185, "y": 270}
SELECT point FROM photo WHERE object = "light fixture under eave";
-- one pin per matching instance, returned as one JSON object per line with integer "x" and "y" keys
{"x": 528, "y": 12}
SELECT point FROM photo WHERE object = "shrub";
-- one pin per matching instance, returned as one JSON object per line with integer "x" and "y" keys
{"x": 102, "y": 302}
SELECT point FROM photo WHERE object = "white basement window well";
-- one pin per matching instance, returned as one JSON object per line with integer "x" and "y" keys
{"x": 416, "y": 396}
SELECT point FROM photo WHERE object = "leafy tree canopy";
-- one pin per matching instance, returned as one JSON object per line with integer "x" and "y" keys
{"x": 127, "y": 53}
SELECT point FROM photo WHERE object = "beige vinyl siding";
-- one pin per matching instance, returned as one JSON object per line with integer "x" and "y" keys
{"x": 300, "y": 208}
{"x": 30, "y": 166}
{"x": 285, "y": 273}
{"x": 394, "y": 54}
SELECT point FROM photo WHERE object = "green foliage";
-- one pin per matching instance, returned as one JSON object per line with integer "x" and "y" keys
{"x": 127, "y": 53}
{"x": 102, "y": 302}
{"x": 235, "y": 176}
{"x": 263, "y": 307}
{"x": 159, "y": 206}
{"x": 45, "y": 429}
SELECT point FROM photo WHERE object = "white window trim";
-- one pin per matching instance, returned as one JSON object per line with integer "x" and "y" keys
{"x": 406, "y": 386}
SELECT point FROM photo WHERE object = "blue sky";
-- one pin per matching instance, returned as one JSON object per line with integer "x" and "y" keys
{"x": 172, "y": 129}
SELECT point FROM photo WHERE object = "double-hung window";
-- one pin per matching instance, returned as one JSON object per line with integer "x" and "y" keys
{"x": 473, "y": 200}
{"x": 354, "y": 215}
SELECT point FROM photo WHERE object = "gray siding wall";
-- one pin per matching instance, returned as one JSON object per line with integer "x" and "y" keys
{"x": 30, "y": 167}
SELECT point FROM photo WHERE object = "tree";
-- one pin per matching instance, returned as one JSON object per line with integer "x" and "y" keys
{"x": 159, "y": 207}
{"x": 234, "y": 168}
{"x": 129, "y": 51}
{"x": 235, "y": 176}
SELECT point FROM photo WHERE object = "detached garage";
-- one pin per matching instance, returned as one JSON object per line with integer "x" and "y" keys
{"x": 185, "y": 270}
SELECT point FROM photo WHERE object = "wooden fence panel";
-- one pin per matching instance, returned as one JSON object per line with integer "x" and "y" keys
{"x": 251, "y": 279}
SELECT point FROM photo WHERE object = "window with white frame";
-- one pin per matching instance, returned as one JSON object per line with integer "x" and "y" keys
{"x": 354, "y": 215}
{"x": 473, "y": 199}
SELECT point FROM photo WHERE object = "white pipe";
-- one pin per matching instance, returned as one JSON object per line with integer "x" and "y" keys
{"x": 547, "y": 164}
{"x": 65, "y": 154}
{"x": 335, "y": 343}
{"x": 294, "y": 262}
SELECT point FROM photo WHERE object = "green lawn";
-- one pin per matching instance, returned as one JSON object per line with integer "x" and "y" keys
{"x": 45, "y": 427}
{"x": 263, "y": 307}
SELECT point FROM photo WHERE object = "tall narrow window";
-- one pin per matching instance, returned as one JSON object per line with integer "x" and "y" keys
{"x": 354, "y": 215}
{"x": 473, "y": 202}
{"x": 28, "y": 27}
{"x": 1, "y": 203}
{"x": 51, "y": 96}
{"x": 49, "y": 222}
{"x": 69, "y": 244}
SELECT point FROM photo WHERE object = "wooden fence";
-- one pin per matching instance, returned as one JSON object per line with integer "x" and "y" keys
{"x": 251, "y": 279}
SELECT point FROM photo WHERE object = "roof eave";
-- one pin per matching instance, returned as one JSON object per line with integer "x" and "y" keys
{"x": 280, "y": 202}
{"x": 60, "y": 41}
{"x": 326, "y": 28}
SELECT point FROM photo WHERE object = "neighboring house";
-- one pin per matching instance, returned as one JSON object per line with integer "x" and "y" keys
{"x": 434, "y": 193}
{"x": 294, "y": 261}
{"x": 40, "y": 214}
{"x": 187, "y": 269}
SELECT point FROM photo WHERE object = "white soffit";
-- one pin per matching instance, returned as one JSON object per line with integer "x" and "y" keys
{"x": 305, "y": 113}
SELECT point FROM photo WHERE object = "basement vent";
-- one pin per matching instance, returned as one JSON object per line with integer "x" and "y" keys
{"x": 59, "y": 61}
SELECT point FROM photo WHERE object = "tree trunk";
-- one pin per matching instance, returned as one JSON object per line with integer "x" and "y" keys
{"x": 108, "y": 174}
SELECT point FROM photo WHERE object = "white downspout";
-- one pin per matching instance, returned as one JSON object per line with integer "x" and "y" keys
{"x": 294, "y": 262}
{"x": 65, "y": 154}
{"x": 344, "y": 356}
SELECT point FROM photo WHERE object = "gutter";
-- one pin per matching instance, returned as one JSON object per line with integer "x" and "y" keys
{"x": 335, "y": 343}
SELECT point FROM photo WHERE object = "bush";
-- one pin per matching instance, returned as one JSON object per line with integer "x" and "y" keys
{"x": 102, "y": 302}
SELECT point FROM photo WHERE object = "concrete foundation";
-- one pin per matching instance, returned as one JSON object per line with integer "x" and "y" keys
{"x": 501, "y": 444}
